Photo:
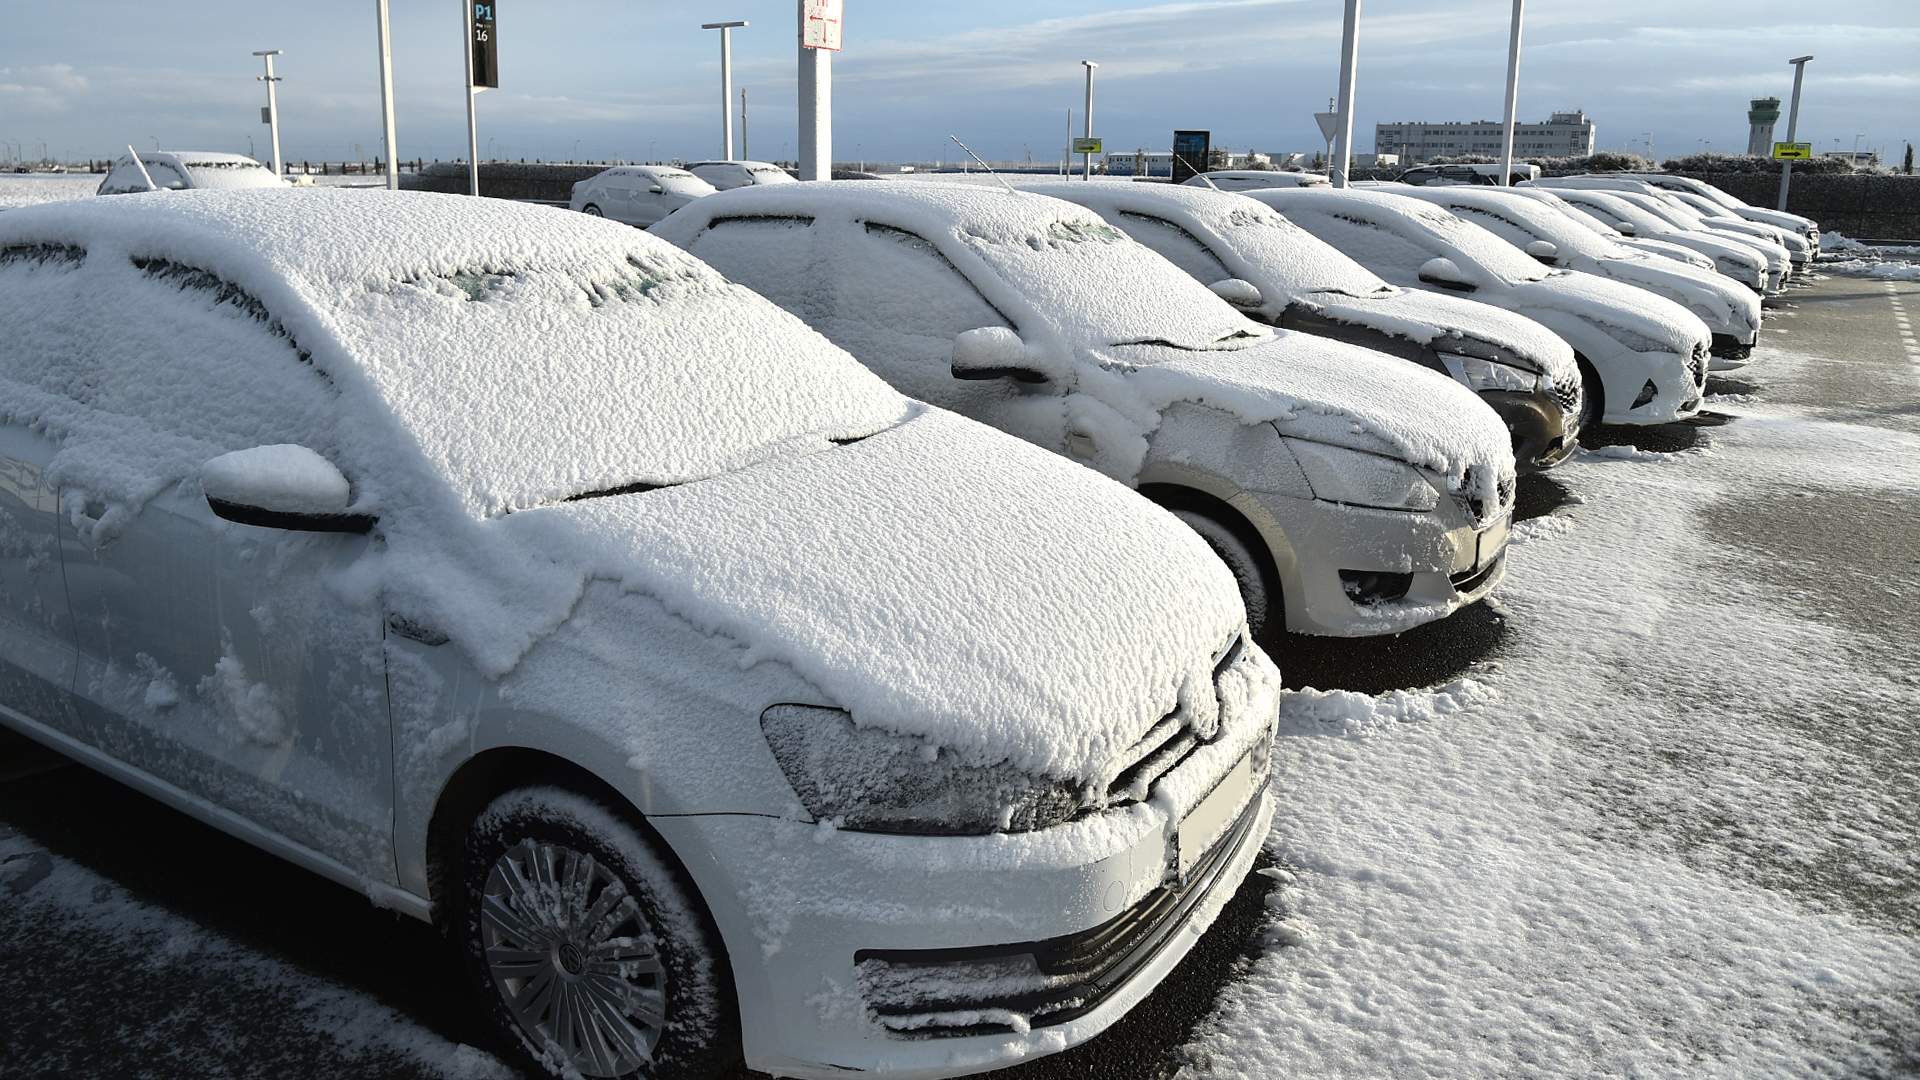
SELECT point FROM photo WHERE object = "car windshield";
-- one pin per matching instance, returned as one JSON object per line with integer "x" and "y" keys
{"x": 1295, "y": 259}
{"x": 1472, "y": 245}
{"x": 1101, "y": 288}
{"x": 222, "y": 174}
{"x": 1611, "y": 208}
{"x": 767, "y": 174}
{"x": 678, "y": 181}
{"x": 1678, "y": 217}
{"x": 1544, "y": 222}
{"x": 530, "y": 386}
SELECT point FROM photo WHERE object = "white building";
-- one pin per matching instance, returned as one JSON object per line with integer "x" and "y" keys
{"x": 1565, "y": 134}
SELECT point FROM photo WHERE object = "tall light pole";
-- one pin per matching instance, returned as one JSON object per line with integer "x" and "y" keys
{"x": 1087, "y": 158}
{"x": 1513, "y": 92}
{"x": 273, "y": 105}
{"x": 726, "y": 83}
{"x": 1343, "y": 134}
{"x": 386, "y": 94}
{"x": 1793, "y": 124}
{"x": 744, "y": 156}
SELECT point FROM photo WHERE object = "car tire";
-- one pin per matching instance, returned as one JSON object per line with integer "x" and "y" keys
{"x": 586, "y": 946}
{"x": 1258, "y": 591}
{"x": 591, "y": 211}
{"x": 1593, "y": 397}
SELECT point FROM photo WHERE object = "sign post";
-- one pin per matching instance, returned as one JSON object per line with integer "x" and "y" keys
{"x": 386, "y": 92}
{"x": 1793, "y": 151}
{"x": 1793, "y": 127}
{"x": 1086, "y": 158}
{"x": 726, "y": 83}
{"x": 271, "y": 114}
{"x": 483, "y": 73}
{"x": 1349, "y": 57}
{"x": 820, "y": 27}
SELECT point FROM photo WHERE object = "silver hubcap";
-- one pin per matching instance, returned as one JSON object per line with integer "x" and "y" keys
{"x": 573, "y": 957}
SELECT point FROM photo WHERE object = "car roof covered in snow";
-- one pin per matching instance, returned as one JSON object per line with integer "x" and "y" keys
{"x": 1468, "y": 241}
{"x": 1536, "y": 215}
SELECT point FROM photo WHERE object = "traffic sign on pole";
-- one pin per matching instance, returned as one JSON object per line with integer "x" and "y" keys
{"x": 1329, "y": 122}
{"x": 1792, "y": 151}
{"x": 1087, "y": 146}
{"x": 820, "y": 25}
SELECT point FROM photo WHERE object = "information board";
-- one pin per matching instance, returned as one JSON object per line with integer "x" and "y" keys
{"x": 486, "y": 44}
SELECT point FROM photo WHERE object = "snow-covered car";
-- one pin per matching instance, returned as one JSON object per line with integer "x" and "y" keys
{"x": 1350, "y": 492}
{"x": 1614, "y": 210}
{"x": 1731, "y": 311}
{"x": 524, "y": 575}
{"x": 1799, "y": 248}
{"x": 185, "y": 170}
{"x": 1247, "y": 179}
{"x": 1470, "y": 173}
{"x": 727, "y": 175}
{"x": 1672, "y": 252}
{"x": 637, "y": 194}
{"x": 1643, "y": 357}
{"x": 1807, "y": 228}
{"x": 1761, "y": 265}
{"x": 1284, "y": 276}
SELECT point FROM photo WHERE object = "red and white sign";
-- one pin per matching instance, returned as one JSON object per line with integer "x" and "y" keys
{"x": 820, "y": 24}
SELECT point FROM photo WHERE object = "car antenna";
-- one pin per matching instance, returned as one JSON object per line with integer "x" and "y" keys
{"x": 1197, "y": 172}
{"x": 984, "y": 165}
{"x": 144, "y": 174}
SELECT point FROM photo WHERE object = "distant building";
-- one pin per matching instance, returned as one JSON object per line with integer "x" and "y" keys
{"x": 1762, "y": 114}
{"x": 1376, "y": 161}
{"x": 1565, "y": 134}
{"x": 1859, "y": 159}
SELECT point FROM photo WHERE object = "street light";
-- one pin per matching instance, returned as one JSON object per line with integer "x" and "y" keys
{"x": 273, "y": 104}
{"x": 726, "y": 83}
{"x": 1087, "y": 158}
{"x": 1793, "y": 124}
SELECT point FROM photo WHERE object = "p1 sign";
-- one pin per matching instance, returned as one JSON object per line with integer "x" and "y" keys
{"x": 486, "y": 44}
{"x": 820, "y": 24}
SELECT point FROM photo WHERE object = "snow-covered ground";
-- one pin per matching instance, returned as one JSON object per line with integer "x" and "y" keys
{"x": 31, "y": 189}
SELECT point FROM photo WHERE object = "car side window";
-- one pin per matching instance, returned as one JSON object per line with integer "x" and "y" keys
{"x": 775, "y": 256}
{"x": 1513, "y": 232}
{"x": 1388, "y": 254}
{"x": 1177, "y": 246}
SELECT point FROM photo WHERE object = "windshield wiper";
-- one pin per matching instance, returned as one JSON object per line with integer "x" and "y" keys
{"x": 1235, "y": 335}
{"x": 623, "y": 489}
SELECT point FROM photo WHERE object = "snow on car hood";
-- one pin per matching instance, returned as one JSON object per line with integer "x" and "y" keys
{"x": 1331, "y": 392}
{"x": 1434, "y": 319}
{"x": 939, "y": 579}
{"x": 1705, "y": 290}
{"x": 1616, "y": 306}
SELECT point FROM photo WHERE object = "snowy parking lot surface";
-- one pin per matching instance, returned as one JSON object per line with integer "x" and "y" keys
{"x": 1661, "y": 822}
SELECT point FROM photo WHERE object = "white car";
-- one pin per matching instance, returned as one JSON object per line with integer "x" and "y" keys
{"x": 727, "y": 175}
{"x": 1284, "y": 276}
{"x": 185, "y": 170}
{"x": 1248, "y": 179}
{"x": 1350, "y": 492}
{"x": 524, "y": 575}
{"x": 1671, "y": 252}
{"x": 637, "y": 194}
{"x": 1465, "y": 173}
{"x": 1615, "y": 210}
{"x": 1805, "y": 227}
{"x": 1551, "y": 236}
{"x": 1799, "y": 246}
{"x": 1644, "y": 357}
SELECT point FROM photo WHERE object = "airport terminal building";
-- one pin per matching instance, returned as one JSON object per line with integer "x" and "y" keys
{"x": 1565, "y": 134}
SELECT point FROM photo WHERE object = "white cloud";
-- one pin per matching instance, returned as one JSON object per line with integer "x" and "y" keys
{"x": 41, "y": 90}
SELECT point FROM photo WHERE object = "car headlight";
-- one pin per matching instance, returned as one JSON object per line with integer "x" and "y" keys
{"x": 1480, "y": 374}
{"x": 1349, "y": 476}
{"x": 868, "y": 780}
{"x": 1636, "y": 341}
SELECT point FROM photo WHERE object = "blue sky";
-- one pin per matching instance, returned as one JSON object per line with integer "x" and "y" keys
{"x": 634, "y": 80}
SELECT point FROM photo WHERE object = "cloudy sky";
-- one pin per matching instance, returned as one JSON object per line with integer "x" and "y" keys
{"x": 626, "y": 79}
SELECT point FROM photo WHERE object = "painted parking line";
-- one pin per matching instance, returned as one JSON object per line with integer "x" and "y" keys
{"x": 1900, "y": 321}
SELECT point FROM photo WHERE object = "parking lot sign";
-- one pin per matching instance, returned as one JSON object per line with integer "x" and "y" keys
{"x": 486, "y": 44}
{"x": 820, "y": 25}
{"x": 1086, "y": 146}
{"x": 1792, "y": 151}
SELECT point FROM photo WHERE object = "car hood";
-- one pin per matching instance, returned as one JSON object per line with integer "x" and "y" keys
{"x": 1704, "y": 292}
{"x": 1616, "y": 306}
{"x": 1436, "y": 320}
{"x": 1329, "y": 392}
{"x": 939, "y": 579}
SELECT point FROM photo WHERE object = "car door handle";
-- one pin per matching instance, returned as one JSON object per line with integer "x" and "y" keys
{"x": 407, "y": 628}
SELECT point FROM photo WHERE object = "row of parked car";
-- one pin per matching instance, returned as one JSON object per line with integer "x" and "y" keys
{"x": 826, "y": 630}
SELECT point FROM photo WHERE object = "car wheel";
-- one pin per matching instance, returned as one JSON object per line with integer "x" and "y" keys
{"x": 1260, "y": 594}
{"x": 1593, "y": 397}
{"x": 587, "y": 947}
{"x": 591, "y": 211}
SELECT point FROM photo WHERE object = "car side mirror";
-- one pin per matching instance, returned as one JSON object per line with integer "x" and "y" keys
{"x": 281, "y": 487}
{"x": 1238, "y": 292}
{"x": 1625, "y": 228}
{"x": 655, "y": 189}
{"x": 994, "y": 352}
{"x": 1545, "y": 250}
{"x": 1446, "y": 274}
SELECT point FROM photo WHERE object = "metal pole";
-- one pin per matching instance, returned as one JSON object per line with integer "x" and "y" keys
{"x": 816, "y": 107}
{"x": 1343, "y": 134}
{"x": 1066, "y": 155}
{"x": 1513, "y": 92}
{"x": 386, "y": 93}
{"x": 273, "y": 105}
{"x": 1793, "y": 125}
{"x": 1087, "y": 158}
{"x": 744, "y": 156}
{"x": 726, "y": 84}
{"x": 473, "y": 126}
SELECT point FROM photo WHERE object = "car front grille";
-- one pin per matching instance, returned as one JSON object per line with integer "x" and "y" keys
{"x": 1475, "y": 506}
{"x": 1002, "y": 989}
{"x": 1568, "y": 395}
{"x": 1697, "y": 365}
{"x": 1168, "y": 744}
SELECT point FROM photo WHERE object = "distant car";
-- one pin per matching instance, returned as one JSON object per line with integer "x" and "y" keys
{"x": 1666, "y": 251}
{"x": 1617, "y": 210}
{"x": 727, "y": 175}
{"x": 1668, "y": 204}
{"x": 1248, "y": 179}
{"x": 1350, "y": 492}
{"x": 1645, "y": 358}
{"x": 185, "y": 170}
{"x": 1464, "y": 174}
{"x": 527, "y": 577}
{"x": 637, "y": 194}
{"x": 1807, "y": 228}
{"x": 1553, "y": 237}
{"x": 1711, "y": 215}
{"x": 1284, "y": 276}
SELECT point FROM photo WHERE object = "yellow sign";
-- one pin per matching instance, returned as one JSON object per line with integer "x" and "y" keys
{"x": 1792, "y": 151}
{"x": 1086, "y": 146}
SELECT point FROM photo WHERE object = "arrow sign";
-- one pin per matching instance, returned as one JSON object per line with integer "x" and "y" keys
{"x": 1328, "y": 121}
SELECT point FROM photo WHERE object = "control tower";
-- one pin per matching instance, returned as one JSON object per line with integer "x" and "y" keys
{"x": 1762, "y": 114}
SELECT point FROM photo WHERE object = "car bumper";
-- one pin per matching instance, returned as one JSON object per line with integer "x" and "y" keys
{"x": 1679, "y": 385}
{"x": 1351, "y": 571}
{"x": 925, "y": 957}
{"x": 1731, "y": 351}
{"x": 1545, "y": 429}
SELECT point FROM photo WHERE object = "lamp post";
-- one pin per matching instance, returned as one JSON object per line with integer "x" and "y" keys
{"x": 386, "y": 95}
{"x": 1343, "y": 132}
{"x": 273, "y": 104}
{"x": 1793, "y": 124}
{"x": 1087, "y": 158}
{"x": 1513, "y": 93}
{"x": 726, "y": 83}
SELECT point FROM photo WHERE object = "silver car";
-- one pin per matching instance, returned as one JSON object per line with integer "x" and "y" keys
{"x": 637, "y": 194}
